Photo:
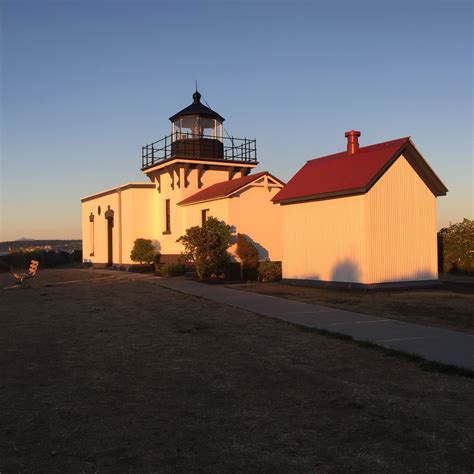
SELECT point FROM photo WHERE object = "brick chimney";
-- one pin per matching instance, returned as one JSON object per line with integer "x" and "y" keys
{"x": 352, "y": 141}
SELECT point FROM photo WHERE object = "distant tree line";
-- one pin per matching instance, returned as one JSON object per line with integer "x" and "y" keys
{"x": 47, "y": 258}
{"x": 75, "y": 244}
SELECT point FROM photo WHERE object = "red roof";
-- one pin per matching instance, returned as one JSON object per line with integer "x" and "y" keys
{"x": 343, "y": 174}
{"x": 223, "y": 189}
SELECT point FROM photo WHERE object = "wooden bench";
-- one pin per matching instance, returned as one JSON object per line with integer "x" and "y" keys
{"x": 32, "y": 270}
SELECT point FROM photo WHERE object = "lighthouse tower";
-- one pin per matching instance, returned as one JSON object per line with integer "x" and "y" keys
{"x": 196, "y": 153}
{"x": 194, "y": 156}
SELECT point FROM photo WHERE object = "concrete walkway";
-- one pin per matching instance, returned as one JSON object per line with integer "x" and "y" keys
{"x": 438, "y": 345}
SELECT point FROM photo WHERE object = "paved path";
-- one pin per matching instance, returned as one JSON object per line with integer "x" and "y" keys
{"x": 438, "y": 345}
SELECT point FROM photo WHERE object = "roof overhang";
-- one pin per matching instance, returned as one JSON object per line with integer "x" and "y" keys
{"x": 273, "y": 180}
{"x": 117, "y": 189}
{"x": 200, "y": 161}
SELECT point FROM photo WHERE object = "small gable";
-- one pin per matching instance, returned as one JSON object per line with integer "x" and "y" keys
{"x": 230, "y": 187}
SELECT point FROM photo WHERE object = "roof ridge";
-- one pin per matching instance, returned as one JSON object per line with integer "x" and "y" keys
{"x": 366, "y": 149}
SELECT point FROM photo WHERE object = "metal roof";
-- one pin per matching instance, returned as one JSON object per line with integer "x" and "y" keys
{"x": 342, "y": 174}
{"x": 196, "y": 108}
{"x": 225, "y": 188}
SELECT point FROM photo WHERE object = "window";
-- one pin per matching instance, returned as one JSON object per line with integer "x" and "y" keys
{"x": 204, "y": 215}
{"x": 167, "y": 217}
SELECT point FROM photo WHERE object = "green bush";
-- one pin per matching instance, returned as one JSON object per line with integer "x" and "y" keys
{"x": 269, "y": 271}
{"x": 248, "y": 255}
{"x": 141, "y": 268}
{"x": 456, "y": 247}
{"x": 206, "y": 247}
{"x": 172, "y": 269}
{"x": 77, "y": 256}
{"x": 143, "y": 251}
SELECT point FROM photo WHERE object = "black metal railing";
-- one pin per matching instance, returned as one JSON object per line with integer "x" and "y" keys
{"x": 189, "y": 145}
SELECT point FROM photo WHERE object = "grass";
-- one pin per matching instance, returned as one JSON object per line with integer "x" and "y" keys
{"x": 448, "y": 307}
{"x": 422, "y": 363}
{"x": 119, "y": 375}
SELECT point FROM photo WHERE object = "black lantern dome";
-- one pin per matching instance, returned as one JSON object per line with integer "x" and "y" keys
{"x": 198, "y": 128}
{"x": 196, "y": 108}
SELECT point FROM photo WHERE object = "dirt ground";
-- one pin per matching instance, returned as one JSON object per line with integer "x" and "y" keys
{"x": 109, "y": 375}
{"x": 450, "y": 306}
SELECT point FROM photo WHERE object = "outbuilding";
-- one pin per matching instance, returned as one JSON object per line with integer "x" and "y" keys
{"x": 362, "y": 217}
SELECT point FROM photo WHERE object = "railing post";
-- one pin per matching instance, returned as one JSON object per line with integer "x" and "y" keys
{"x": 152, "y": 154}
{"x": 232, "y": 148}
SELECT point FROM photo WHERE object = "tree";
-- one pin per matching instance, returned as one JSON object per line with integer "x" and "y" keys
{"x": 143, "y": 251}
{"x": 206, "y": 247}
{"x": 248, "y": 255}
{"x": 456, "y": 247}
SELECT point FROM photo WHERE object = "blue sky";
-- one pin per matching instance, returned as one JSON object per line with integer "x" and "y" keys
{"x": 85, "y": 84}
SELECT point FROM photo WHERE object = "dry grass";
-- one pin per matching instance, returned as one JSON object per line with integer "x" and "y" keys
{"x": 445, "y": 308}
{"x": 125, "y": 376}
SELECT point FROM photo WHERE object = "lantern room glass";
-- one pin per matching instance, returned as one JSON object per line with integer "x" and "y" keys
{"x": 195, "y": 126}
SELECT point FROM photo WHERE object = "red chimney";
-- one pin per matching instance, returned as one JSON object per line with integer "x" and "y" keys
{"x": 352, "y": 141}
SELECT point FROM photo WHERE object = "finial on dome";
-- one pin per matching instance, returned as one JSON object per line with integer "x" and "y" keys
{"x": 197, "y": 97}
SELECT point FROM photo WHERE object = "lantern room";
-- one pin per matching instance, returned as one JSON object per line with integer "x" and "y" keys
{"x": 197, "y": 121}
{"x": 197, "y": 134}
{"x": 196, "y": 131}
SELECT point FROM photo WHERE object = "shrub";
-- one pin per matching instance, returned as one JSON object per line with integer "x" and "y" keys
{"x": 172, "y": 269}
{"x": 4, "y": 267}
{"x": 23, "y": 259}
{"x": 206, "y": 247}
{"x": 456, "y": 247}
{"x": 141, "y": 268}
{"x": 143, "y": 251}
{"x": 269, "y": 271}
{"x": 50, "y": 259}
{"x": 248, "y": 255}
{"x": 77, "y": 256}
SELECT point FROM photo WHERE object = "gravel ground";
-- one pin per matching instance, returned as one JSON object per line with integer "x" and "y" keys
{"x": 112, "y": 375}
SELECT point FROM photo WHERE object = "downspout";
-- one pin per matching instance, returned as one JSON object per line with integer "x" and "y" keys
{"x": 120, "y": 224}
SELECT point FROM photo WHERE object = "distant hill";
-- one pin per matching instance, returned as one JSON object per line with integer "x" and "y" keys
{"x": 25, "y": 243}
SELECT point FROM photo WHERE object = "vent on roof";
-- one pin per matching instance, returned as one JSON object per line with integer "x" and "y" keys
{"x": 352, "y": 141}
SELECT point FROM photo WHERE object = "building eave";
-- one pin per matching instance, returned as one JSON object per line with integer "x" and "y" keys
{"x": 122, "y": 187}
{"x": 231, "y": 193}
{"x": 199, "y": 161}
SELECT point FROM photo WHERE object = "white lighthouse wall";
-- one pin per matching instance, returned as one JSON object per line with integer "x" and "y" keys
{"x": 133, "y": 207}
{"x": 97, "y": 251}
{"x": 253, "y": 213}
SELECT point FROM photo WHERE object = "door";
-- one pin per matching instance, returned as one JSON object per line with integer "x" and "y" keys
{"x": 110, "y": 253}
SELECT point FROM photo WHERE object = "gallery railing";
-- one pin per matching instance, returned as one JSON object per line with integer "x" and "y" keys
{"x": 197, "y": 146}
